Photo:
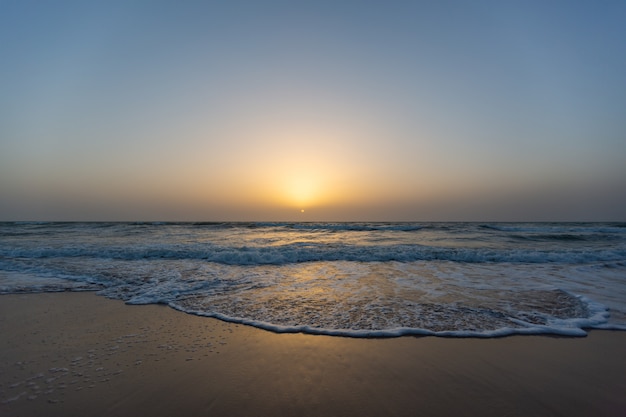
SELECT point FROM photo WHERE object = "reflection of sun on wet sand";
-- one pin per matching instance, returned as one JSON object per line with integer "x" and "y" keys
{"x": 79, "y": 354}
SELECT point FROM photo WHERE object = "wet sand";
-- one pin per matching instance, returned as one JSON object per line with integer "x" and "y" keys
{"x": 78, "y": 354}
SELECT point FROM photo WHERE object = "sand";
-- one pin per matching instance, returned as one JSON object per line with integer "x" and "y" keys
{"x": 78, "y": 354}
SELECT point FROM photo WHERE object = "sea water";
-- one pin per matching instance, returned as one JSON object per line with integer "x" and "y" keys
{"x": 350, "y": 279}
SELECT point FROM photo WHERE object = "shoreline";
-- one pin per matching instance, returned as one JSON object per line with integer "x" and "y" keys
{"x": 65, "y": 354}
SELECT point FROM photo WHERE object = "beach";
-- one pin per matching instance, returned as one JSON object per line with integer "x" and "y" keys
{"x": 71, "y": 354}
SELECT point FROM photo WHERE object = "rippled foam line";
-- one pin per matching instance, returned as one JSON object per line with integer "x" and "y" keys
{"x": 401, "y": 331}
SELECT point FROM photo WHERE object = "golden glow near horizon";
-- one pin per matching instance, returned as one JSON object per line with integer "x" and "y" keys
{"x": 297, "y": 165}
{"x": 305, "y": 183}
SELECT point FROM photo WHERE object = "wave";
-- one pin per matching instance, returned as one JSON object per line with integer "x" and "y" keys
{"x": 311, "y": 252}
{"x": 352, "y": 279}
{"x": 545, "y": 229}
{"x": 558, "y": 229}
{"x": 345, "y": 226}
{"x": 560, "y": 233}
{"x": 567, "y": 237}
{"x": 549, "y": 311}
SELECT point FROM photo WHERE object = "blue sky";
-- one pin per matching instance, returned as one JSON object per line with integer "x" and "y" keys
{"x": 353, "y": 110}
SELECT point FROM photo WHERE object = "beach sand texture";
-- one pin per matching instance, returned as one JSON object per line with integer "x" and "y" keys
{"x": 78, "y": 354}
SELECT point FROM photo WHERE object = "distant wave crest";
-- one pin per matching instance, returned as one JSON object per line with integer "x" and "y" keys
{"x": 310, "y": 252}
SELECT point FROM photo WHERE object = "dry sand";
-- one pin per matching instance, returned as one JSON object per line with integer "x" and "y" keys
{"x": 78, "y": 354}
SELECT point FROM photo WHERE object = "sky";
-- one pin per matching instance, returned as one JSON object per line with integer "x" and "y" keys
{"x": 313, "y": 110}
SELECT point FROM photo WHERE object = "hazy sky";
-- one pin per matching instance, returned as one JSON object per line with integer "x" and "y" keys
{"x": 348, "y": 110}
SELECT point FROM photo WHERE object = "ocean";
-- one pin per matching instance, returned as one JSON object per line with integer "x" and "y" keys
{"x": 344, "y": 279}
